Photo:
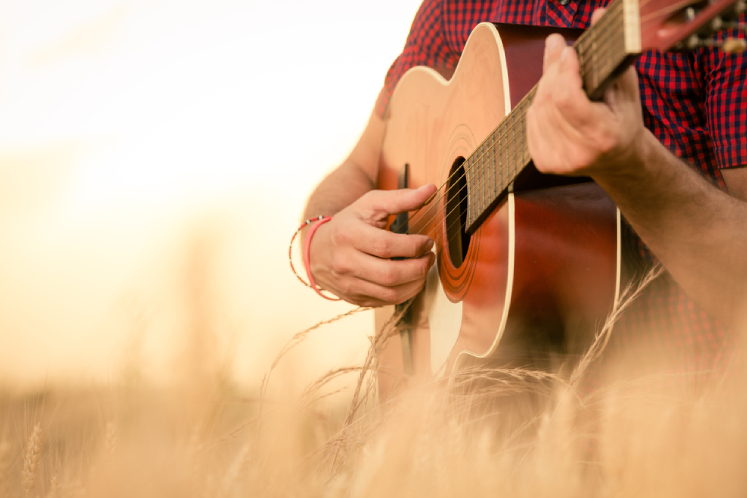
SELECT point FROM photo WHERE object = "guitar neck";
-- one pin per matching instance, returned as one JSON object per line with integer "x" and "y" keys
{"x": 604, "y": 50}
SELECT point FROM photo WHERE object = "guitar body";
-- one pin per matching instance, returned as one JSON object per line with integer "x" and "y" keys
{"x": 540, "y": 274}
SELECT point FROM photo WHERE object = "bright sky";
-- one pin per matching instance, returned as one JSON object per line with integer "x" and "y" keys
{"x": 132, "y": 130}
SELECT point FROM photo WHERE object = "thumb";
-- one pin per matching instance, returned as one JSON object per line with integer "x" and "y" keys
{"x": 569, "y": 64}
{"x": 554, "y": 45}
{"x": 382, "y": 203}
{"x": 597, "y": 15}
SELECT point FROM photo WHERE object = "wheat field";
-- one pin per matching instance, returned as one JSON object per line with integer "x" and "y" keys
{"x": 521, "y": 433}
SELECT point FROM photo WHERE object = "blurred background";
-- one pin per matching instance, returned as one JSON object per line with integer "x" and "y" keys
{"x": 155, "y": 158}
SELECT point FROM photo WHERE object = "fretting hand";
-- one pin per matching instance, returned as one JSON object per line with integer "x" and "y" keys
{"x": 570, "y": 135}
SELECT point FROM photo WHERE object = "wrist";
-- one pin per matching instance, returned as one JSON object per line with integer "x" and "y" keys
{"x": 631, "y": 165}
{"x": 316, "y": 245}
{"x": 315, "y": 224}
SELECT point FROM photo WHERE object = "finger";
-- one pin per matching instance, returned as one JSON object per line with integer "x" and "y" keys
{"x": 545, "y": 138}
{"x": 553, "y": 47}
{"x": 624, "y": 90}
{"x": 370, "y": 294}
{"x": 392, "y": 273}
{"x": 569, "y": 97}
{"x": 378, "y": 203}
{"x": 597, "y": 15}
{"x": 385, "y": 244}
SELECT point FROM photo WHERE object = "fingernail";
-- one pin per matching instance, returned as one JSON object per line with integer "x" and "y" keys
{"x": 429, "y": 244}
{"x": 552, "y": 41}
{"x": 566, "y": 53}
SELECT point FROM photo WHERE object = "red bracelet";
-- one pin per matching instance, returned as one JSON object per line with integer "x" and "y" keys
{"x": 307, "y": 258}
{"x": 318, "y": 221}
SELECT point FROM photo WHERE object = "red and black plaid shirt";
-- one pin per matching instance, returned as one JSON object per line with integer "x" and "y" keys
{"x": 695, "y": 103}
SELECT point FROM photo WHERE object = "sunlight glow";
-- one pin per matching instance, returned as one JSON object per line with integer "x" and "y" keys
{"x": 127, "y": 127}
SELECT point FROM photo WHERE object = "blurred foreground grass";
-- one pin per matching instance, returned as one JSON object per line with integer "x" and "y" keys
{"x": 528, "y": 434}
{"x": 493, "y": 431}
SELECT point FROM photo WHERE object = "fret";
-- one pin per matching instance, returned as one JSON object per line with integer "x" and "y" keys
{"x": 522, "y": 134}
{"x": 488, "y": 173}
{"x": 513, "y": 143}
{"x": 485, "y": 150}
{"x": 601, "y": 50}
{"x": 472, "y": 195}
{"x": 594, "y": 74}
{"x": 603, "y": 47}
{"x": 491, "y": 169}
{"x": 480, "y": 180}
{"x": 510, "y": 144}
{"x": 496, "y": 166}
{"x": 471, "y": 210}
{"x": 523, "y": 131}
{"x": 504, "y": 149}
{"x": 497, "y": 147}
{"x": 486, "y": 167}
{"x": 527, "y": 157}
{"x": 483, "y": 175}
{"x": 478, "y": 174}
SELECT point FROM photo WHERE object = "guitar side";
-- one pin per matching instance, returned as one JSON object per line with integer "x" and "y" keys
{"x": 544, "y": 262}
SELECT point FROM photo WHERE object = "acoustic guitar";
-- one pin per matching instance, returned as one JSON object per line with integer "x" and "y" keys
{"x": 523, "y": 259}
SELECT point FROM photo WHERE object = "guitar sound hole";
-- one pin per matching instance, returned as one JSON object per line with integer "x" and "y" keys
{"x": 456, "y": 214}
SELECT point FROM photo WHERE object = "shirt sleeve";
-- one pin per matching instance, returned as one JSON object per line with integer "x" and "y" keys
{"x": 426, "y": 45}
{"x": 726, "y": 101}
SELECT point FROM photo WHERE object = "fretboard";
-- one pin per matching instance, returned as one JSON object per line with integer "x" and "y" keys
{"x": 604, "y": 50}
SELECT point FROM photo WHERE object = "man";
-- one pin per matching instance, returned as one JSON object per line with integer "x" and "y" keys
{"x": 694, "y": 107}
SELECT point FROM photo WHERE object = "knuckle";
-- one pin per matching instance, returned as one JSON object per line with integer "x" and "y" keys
{"x": 368, "y": 204}
{"x": 412, "y": 249}
{"x": 382, "y": 246}
{"x": 340, "y": 265}
{"x": 606, "y": 142}
{"x": 346, "y": 288}
{"x": 338, "y": 237}
{"x": 562, "y": 98}
{"x": 423, "y": 268}
{"x": 366, "y": 199}
{"x": 388, "y": 276}
{"x": 390, "y": 295}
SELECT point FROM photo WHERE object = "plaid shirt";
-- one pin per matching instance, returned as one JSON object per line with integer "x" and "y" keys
{"x": 695, "y": 103}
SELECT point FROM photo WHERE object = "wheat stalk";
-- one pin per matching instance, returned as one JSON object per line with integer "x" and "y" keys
{"x": 229, "y": 479}
{"x": 5, "y": 462}
{"x": 297, "y": 339}
{"x": 111, "y": 438}
{"x": 54, "y": 487}
{"x": 31, "y": 458}
{"x": 626, "y": 298}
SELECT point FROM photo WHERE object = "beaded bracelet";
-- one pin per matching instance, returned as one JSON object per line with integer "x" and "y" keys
{"x": 317, "y": 222}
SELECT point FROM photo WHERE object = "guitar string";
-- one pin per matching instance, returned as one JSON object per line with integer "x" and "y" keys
{"x": 582, "y": 48}
{"x": 438, "y": 234}
{"x": 504, "y": 131}
{"x": 450, "y": 188}
{"x": 663, "y": 11}
{"x": 518, "y": 118}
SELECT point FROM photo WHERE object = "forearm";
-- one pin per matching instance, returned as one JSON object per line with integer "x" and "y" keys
{"x": 698, "y": 232}
{"x": 338, "y": 190}
{"x": 354, "y": 178}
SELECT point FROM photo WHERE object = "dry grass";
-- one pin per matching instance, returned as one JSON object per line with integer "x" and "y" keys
{"x": 513, "y": 432}
{"x": 31, "y": 458}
